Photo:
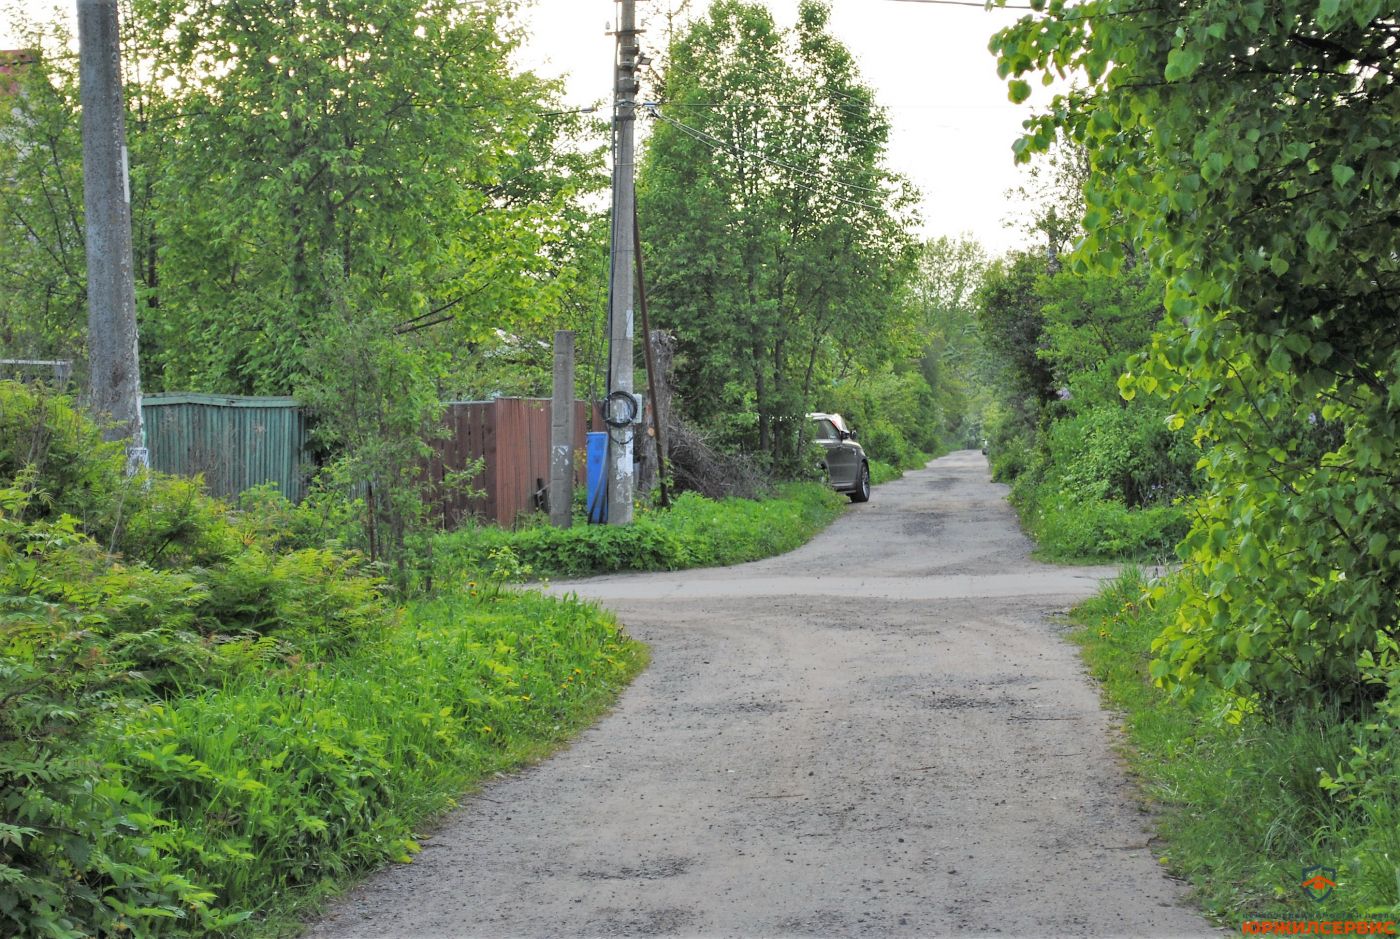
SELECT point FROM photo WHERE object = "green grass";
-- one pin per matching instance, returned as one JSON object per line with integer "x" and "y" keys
{"x": 1068, "y": 530}
{"x": 882, "y": 472}
{"x": 285, "y": 784}
{"x": 1241, "y": 809}
{"x": 694, "y": 532}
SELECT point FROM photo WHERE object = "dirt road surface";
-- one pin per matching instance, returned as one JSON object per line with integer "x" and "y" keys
{"x": 880, "y": 734}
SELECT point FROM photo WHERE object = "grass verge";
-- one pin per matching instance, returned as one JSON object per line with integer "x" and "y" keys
{"x": 1242, "y": 812}
{"x": 1068, "y": 530}
{"x": 882, "y": 472}
{"x": 280, "y": 787}
{"x": 694, "y": 532}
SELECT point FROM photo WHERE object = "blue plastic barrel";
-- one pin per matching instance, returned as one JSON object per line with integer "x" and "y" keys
{"x": 597, "y": 484}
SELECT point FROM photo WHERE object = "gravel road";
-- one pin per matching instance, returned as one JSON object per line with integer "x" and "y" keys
{"x": 881, "y": 733}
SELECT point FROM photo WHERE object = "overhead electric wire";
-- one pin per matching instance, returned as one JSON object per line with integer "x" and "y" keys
{"x": 734, "y": 150}
{"x": 972, "y": 3}
{"x": 716, "y": 144}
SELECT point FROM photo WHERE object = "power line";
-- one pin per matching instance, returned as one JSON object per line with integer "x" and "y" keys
{"x": 717, "y": 144}
{"x": 740, "y": 151}
{"x": 972, "y": 3}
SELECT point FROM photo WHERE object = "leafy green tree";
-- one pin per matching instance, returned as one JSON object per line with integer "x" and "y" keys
{"x": 777, "y": 238}
{"x": 43, "y": 276}
{"x": 1249, "y": 150}
{"x": 1012, "y": 318}
{"x": 282, "y": 154}
{"x": 954, "y": 361}
{"x": 386, "y": 145}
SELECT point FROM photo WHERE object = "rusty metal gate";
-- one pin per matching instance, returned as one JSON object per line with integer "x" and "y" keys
{"x": 511, "y": 436}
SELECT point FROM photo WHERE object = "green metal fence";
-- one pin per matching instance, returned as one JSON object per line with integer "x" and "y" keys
{"x": 236, "y": 442}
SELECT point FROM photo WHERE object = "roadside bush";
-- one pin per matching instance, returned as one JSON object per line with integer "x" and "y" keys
{"x": 1075, "y": 528}
{"x": 1009, "y": 443}
{"x": 882, "y": 472}
{"x": 228, "y": 718}
{"x": 1248, "y": 797}
{"x": 1124, "y": 453}
{"x": 284, "y": 779}
{"x": 1105, "y": 483}
{"x": 895, "y": 413}
{"x": 82, "y": 637}
{"x": 694, "y": 532}
{"x": 66, "y": 464}
{"x": 92, "y": 635}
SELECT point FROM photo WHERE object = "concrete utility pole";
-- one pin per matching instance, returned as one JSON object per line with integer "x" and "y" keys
{"x": 114, "y": 373}
{"x": 621, "y": 474}
{"x": 561, "y": 433}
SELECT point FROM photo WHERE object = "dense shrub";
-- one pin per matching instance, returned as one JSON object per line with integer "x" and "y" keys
{"x": 264, "y": 794}
{"x": 895, "y": 414}
{"x": 118, "y": 595}
{"x": 1240, "y": 796}
{"x": 694, "y": 532}
{"x": 1073, "y": 528}
{"x": 1121, "y": 453}
{"x": 62, "y": 457}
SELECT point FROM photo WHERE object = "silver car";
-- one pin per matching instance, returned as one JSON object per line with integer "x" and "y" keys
{"x": 846, "y": 467}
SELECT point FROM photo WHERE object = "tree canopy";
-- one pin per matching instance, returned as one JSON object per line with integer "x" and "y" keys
{"x": 777, "y": 236}
{"x": 1250, "y": 151}
{"x": 284, "y": 155}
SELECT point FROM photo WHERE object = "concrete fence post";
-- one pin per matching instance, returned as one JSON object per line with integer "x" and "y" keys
{"x": 561, "y": 433}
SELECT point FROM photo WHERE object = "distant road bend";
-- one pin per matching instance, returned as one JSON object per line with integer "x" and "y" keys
{"x": 880, "y": 734}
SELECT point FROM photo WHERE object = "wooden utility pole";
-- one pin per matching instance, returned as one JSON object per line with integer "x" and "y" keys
{"x": 621, "y": 472}
{"x": 561, "y": 433}
{"x": 658, "y": 420}
{"x": 113, "y": 366}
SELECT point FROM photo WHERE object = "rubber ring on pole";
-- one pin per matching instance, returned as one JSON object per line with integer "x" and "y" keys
{"x": 631, "y": 410}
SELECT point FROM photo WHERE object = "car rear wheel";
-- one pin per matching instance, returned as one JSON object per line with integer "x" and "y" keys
{"x": 862, "y": 490}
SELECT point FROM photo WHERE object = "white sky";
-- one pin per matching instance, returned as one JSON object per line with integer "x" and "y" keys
{"x": 952, "y": 123}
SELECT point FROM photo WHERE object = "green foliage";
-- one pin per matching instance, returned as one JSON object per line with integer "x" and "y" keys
{"x": 954, "y": 359}
{"x": 894, "y": 413}
{"x": 42, "y": 270}
{"x": 301, "y": 773}
{"x": 775, "y": 286}
{"x": 386, "y": 151}
{"x": 413, "y": 171}
{"x": 374, "y": 403}
{"x": 694, "y": 532}
{"x": 1011, "y": 315}
{"x": 882, "y": 472}
{"x": 77, "y": 638}
{"x": 1249, "y": 153}
{"x": 63, "y": 459}
{"x": 1095, "y": 477}
{"x": 224, "y": 716}
{"x": 1072, "y": 528}
{"x": 1241, "y": 807}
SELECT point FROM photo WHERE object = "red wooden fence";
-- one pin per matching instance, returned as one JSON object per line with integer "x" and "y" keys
{"x": 512, "y": 436}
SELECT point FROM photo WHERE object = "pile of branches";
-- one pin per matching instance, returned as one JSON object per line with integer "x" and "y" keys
{"x": 699, "y": 467}
{"x": 692, "y": 463}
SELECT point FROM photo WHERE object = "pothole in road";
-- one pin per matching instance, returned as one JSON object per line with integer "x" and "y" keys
{"x": 742, "y": 707}
{"x": 947, "y": 701}
{"x": 659, "y": 869}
